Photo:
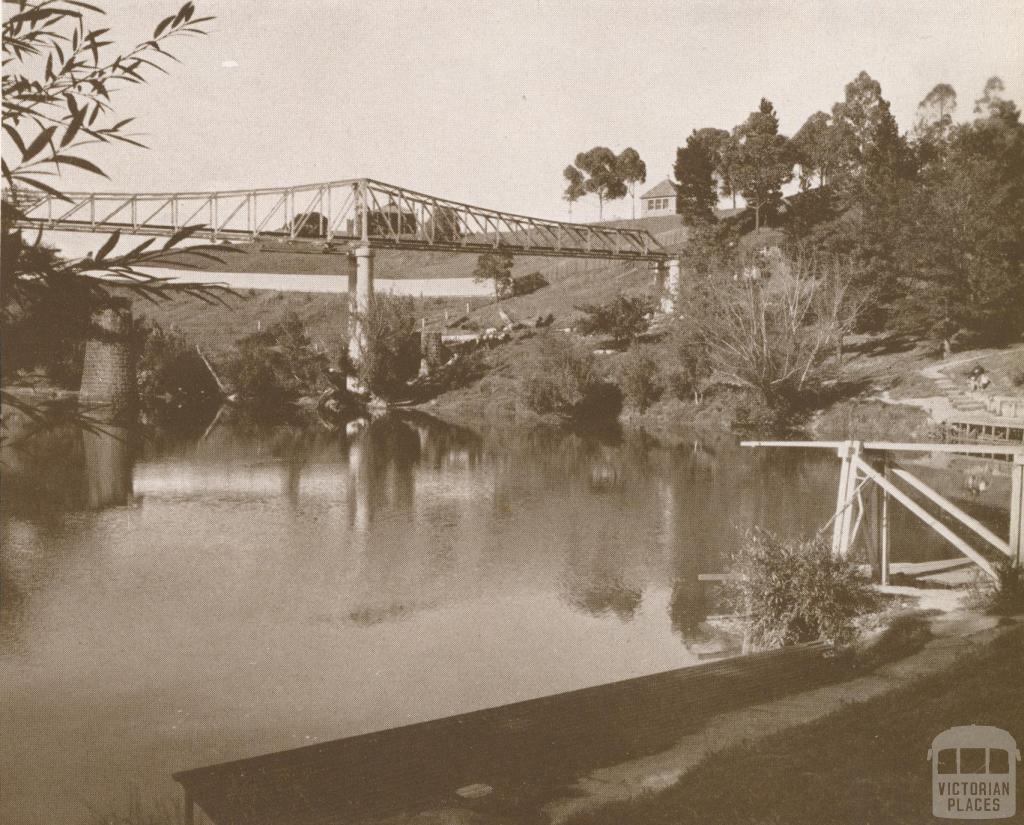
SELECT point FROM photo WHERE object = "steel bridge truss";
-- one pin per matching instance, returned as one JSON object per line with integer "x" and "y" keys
{"x": 337, "y": 216}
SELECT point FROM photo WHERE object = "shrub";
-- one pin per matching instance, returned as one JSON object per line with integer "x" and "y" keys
{"x": 622, "y": 318}
{"x": 390, "y": 353}
{"x": 689, "y": 370}
{"x": 529, "y": 283}
{"x": 170, "y": 373}
{"x": 564, "y": 381}
{"x": 1006, "y": 596}
{"x": 752, "y": 415}
{"x": 276, "y": 365}
{"x": 796, "y": 591}
{"x": 638, "y": 378}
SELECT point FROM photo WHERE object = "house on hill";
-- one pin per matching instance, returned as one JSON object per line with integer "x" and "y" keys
{"x": 661, "y": 200}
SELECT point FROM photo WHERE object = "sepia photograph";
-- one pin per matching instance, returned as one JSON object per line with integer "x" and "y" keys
{"x": 511, "y": 412}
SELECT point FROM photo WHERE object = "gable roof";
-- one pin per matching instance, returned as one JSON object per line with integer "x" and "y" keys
{"x": 665, "y": 189}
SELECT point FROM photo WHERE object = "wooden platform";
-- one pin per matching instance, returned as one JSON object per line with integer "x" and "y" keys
{"x": 519, "y": 750}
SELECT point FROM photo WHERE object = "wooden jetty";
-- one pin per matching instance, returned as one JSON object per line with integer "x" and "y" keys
{"x": 867, "y": 468}
{"x": 520, "y": 750}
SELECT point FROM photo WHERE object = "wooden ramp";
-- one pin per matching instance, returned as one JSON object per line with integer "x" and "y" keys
{"x": 518, "y": 750}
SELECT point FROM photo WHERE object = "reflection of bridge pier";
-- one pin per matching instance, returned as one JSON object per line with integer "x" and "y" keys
{"x": 360, "y": 482}
{"x": 108, "y": 466}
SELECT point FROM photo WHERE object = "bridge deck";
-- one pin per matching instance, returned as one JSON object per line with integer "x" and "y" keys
{"x": 522, "y": 750}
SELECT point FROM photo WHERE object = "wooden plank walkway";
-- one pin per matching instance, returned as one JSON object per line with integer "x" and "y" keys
{"x": 519, "y": 749}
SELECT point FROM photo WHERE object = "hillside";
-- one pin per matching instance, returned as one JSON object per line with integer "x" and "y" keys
{"x": 572, "y": 282}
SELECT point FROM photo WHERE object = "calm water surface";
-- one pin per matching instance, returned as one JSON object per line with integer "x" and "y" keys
{"x": 171, "y": 603}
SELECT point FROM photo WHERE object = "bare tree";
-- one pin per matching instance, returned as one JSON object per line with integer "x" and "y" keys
{"x": 781, "y": 337}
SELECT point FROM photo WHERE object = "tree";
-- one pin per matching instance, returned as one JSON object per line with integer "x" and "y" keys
{"x": 962, "y": 254}
{"x": 814, "y": 149}
{"x": 443, "y": 226}
{"x": 632, "y": 170}
{"x": 695, "y": 168}
{"x": 936, "y": 108}
{"x": 575, "y": 188}
{"x": 779, "y": 340}
{"x": 762, "y": 160}
{"x": 868, "y": 142}
{"x": 622, "y": 318}
{"x": 497, "y": 268}
{"x": 934, "y": 122}
{"x": 991, "y": 103}
{"x": 57, "y": 90}
{"x": 273, "y": 367}
{"x": 389, "y": 352}
{"x": 727, "y": 161}
{"x": 601, "y": 175}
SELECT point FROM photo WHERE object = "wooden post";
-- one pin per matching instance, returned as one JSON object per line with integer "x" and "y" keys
{"x": 1017, "y": 509}
{"x": 190, "y": 809}
{"x": 877, "y": 518}
{"x": 844, "y": 505}
{"x": 884, "y": 526}
{"x": 844, "y": 480}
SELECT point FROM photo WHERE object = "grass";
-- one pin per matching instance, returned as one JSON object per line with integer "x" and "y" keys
{"x": 864, "y": 764}
{"x": 870, "y": 419}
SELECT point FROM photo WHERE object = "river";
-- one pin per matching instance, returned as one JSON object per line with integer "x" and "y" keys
{"x": 172, "y": 602}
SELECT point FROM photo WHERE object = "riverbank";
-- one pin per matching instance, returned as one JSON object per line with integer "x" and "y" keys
{"x": 797, "y": 759}
{"x": 790, "y": 759}
{"x": 886, "y": 388}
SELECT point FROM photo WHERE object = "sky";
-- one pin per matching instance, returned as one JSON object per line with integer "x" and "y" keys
{"x": 487, "y": 101}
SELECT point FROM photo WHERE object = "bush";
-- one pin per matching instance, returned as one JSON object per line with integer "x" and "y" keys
{"x": 171, "y": 374}
{"x": 638, "y": 378}
{"x": 622, "y": 318}
{"x": 529, "y": 283}
{"x": 755, "y": 416}
{"x": 1006, "y": 596}
{"x": 564, "y": 381}
{"x": 796, "y": 591}
{"x": 390, "y": 353}
{"x": 688, "y": 372}
{"x": 277, "y": 365}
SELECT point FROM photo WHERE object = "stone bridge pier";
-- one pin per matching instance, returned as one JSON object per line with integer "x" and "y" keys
{"x": 668, "y": 285}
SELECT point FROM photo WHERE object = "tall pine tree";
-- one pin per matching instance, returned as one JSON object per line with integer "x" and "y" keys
{"x": 697, "y": 190}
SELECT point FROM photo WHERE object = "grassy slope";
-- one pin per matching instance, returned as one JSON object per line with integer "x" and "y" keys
{"x": 865, "y": 764}
{"x": 870, "y": 366}
{"x": 572, "y": 282}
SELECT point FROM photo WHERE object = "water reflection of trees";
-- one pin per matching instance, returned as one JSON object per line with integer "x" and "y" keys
{"x": 602, "y": 594}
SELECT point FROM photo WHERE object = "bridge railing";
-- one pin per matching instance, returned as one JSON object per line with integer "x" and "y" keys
{"x": 359, "y": 211}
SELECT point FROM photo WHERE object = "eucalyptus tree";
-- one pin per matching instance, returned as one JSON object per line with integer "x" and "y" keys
{"x": 762, "y": 160}
{"x": 597, "y": 172}
{"x": 632, "y": 170}
{"x": 814, "y": 149}
{"x": 574, "y": 189}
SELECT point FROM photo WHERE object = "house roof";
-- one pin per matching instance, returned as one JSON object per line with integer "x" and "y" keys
{"x": 665, "y": 189}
